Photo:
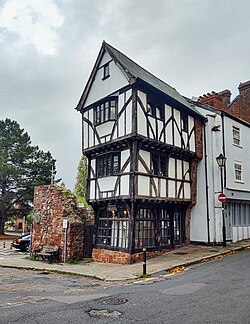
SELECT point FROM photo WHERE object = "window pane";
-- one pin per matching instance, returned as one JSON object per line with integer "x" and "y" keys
{"x": 102, "y": 113}
{"x": 112, "y": 109}
{"x": 105, "y": 71}
{"x": 155, "y": 164}
{"x": 115, "y": 164}
{"x": 106, "y": 106}
{"x": 109, "y": 165}
{"x": 236, "y": 135}
{"x": 98, "y": 116}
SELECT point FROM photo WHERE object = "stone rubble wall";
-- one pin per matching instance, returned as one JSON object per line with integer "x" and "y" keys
{"x": 54, "y": 204}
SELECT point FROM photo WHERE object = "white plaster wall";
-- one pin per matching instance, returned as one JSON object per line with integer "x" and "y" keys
{"x": 105, "y": 128}
{"x": 129, "y": 115}
{"x": 124, "y": 185}
{"x": 85, "y": 132}
{"x": 107, "y": 183}
{"x": 177, "y": 138}
{"x": 146, "y": 157}
{"x": 143, "y": 185}
{"x": 124, "y": 156}
{"x": 92, "y": 189}
{"x": 101, "y": 88}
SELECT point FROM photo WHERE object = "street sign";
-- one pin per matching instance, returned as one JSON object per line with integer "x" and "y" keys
{"x": 222, "y": 198}
{"x": 65, "y": 223}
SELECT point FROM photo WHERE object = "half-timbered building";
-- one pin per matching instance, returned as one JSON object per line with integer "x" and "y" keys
{"x": 143, "y": 141}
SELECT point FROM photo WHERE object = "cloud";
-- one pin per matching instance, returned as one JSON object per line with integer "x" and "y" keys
{"x": 195, "y": 46}
{"x": 35, "y": 22}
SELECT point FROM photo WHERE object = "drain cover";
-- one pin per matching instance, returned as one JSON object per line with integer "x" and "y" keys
{"x": 104, "y": 313}
{"x": 114, "y": 301}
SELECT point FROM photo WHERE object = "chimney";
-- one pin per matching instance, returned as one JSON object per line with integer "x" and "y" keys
{"x": 217, "y": 100}
{"x": 244, "y": 90}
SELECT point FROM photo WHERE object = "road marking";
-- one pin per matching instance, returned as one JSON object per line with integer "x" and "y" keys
{"x": 185, "y": 289}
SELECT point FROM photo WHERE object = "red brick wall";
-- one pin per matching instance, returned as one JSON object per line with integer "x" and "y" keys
{"x": 240, "y": 106}
{"x": 54, "y": 206}
{"x": 108, "y": 256}
{"x": 199, "y": 138}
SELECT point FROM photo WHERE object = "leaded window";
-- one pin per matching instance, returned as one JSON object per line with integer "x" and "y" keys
{"x": 105, "y": 110}
{"x": 165, "y": 228}
{"x": 176, "y": 221}
{"x": 155, "y": 108}
{"x": 145, "y": 234}
{"x": 108, "y": 165}
{"x": 113, "y": 227}
{"x": 184, "y": 122}
{"x": 159, "y": 164}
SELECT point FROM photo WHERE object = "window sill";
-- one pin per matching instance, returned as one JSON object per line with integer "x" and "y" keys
{"x": 239, "y": 181}
{"x": 161, "y": 119}
{"x": 239, "y": 146}
{"x": 105, "y": 122}
{"x": 106, "y": 77}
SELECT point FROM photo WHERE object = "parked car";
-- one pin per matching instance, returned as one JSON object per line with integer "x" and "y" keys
{"x": 22, "y": 243}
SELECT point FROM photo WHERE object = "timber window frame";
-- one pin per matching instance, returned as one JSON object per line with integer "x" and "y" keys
{"x": 159, "y": 163}
{"x": 155, "y": 108}
{"x": 238, "y": 171}
{"x": 113, "y": 227}
{"x": 106, "y": 71}
{"x": 184, "y": 122}
{"x": 106, "y": 110}
{"x": 145, "y": 229}
{"x": 165, "y": 228}
{"x": 108, "y": 165}
{"x": 236, "y": 135}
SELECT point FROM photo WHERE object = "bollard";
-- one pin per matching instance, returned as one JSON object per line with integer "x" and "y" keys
{"x": 4, "y": 245}
{"x": 144, "y": 261}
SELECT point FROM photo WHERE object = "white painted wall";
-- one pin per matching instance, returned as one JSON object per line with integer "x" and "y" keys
{"x": 101, "y": 88}
{"x": 237, "y": 153}
{"x": 234, "y": 190}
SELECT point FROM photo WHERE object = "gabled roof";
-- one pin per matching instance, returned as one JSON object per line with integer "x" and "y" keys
{"x": 134, "y": 72}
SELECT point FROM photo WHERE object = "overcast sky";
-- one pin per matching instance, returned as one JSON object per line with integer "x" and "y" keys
{"x": 48, "y": 49}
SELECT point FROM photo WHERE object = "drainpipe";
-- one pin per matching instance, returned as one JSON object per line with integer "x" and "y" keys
{"x": 206, "y": 180}
{"x": 223, "y": 147}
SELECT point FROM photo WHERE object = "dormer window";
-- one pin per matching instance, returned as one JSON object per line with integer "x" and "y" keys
{"x": 106, "y": 111}
{"x": 155, "y": 108}
{"x": 105, "y": 71}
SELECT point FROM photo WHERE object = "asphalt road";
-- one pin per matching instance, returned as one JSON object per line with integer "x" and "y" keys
{"x": 214, "y": 292}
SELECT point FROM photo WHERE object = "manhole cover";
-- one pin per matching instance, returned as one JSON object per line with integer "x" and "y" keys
{"x": 114, "y": 301}
{"x": 104, "y": 313}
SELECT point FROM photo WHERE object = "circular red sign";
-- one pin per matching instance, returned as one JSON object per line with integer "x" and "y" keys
{"x": 222, "y": 198}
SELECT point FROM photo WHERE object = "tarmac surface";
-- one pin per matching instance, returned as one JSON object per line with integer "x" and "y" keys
{"x": 174, "y": 260}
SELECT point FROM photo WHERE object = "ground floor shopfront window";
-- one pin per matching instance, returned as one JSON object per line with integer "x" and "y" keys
{"x": 153, "y": 228}
{"x": 157, "y": 228}
{"x": 112, "y": 227}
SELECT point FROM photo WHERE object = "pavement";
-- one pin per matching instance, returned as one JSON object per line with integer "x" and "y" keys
{"x": 173, "y": 261}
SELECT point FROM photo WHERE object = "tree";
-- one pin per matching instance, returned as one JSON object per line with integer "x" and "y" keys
{"x": 22, "y": 167}
{"x": 81, "y": 179}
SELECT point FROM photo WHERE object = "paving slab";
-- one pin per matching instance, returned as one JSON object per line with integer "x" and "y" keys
{"x": 183, "y": 256}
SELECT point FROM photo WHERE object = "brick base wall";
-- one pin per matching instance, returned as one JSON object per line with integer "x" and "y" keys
{"x": 108, "y": 256}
